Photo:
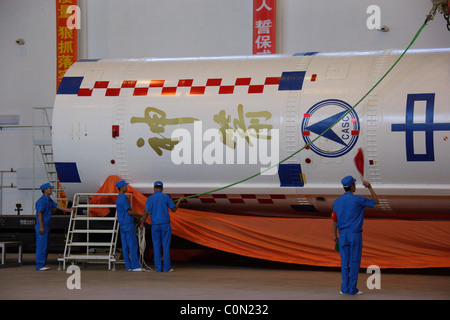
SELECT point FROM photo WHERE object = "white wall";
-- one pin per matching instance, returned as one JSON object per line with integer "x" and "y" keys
{"x": 341, "y": 25}
{"x": 27, "y": 80}
{"x": 185, "y": 28}
{"x": 176, "y": 28}
{"x": 169, "y": 28}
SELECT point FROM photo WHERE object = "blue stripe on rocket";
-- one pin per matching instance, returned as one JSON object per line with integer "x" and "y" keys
{"x": 70, "y": 85}
{"x": 289, "y": 175}
{"x": 67, "y": 172}
{"x": 291, "y": 80}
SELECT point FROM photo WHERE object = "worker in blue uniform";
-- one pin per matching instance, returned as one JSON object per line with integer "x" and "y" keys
{"x": 127, "y": 231}
{"x": 348, "y": 218}
{"x": 158, "y": 205}
{"x": 44, "y": 209}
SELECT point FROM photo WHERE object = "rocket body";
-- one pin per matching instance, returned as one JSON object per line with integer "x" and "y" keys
{"x": 199, "y": 124}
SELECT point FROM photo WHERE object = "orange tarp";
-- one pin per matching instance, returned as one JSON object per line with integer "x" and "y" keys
{"x": 386, "y": 243}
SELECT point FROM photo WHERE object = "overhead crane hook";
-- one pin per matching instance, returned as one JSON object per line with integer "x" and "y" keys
{"x": 441, "y": 6}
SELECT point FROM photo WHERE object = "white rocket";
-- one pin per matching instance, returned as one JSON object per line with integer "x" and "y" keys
{"x": 199, "y": 124}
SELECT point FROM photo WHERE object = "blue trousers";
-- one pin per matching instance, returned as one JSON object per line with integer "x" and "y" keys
{"x": 161, "y": 237}
{"x": 130, "y": 249}
{"x": 41, "y": 246}
{"x": 350, "y": 246}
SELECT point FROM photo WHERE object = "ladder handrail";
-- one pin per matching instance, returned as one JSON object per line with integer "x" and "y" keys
{"x": 43, "y": 142}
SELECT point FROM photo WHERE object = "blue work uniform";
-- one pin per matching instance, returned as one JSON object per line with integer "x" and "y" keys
{"x": 45, "y": 205}
{"x": 127, "y": 233}
{"x": 158, "y": 205}
{"x": 348, "y": 210}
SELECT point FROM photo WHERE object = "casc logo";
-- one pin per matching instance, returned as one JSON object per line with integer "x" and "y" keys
{"x": 341, "y": 138}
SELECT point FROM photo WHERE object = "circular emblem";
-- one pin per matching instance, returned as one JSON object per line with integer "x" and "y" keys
{"x": 341, "y": 138}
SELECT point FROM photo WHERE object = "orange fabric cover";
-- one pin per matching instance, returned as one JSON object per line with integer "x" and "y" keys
{"x": 386, "y": 243}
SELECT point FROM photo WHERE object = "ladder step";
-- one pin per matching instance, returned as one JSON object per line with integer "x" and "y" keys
{"x": 93, "y": 231}
{"x": 42, "y": 142}
{"x": 96, "y": 205}
{"x": 90, "y": 244}
{"x": 93, "y": 257}
{"x": 93, "y": 218}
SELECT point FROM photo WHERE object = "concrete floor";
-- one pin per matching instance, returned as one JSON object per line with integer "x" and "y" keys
{"x": 194, "y": 281}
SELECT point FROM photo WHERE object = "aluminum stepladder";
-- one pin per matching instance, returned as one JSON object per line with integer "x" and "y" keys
{"x": 103, "y": 225}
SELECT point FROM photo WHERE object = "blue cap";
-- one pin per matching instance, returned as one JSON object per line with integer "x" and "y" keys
{"x": 46, "y": 186}
{"x": 158, "y": 184}
{"x": 121, "y": 183}
{"x": 348, "y": 181}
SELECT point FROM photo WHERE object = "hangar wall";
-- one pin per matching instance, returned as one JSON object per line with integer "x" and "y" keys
{"x": 172, "y": 28}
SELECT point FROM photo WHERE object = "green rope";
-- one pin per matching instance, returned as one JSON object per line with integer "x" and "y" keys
{"x": 305, "y": 146}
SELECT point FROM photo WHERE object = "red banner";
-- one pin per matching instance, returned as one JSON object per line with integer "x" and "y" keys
{"x": 66, "y": 37}
{"x": 67, "y": 23}
{"x": 264, "y": 26}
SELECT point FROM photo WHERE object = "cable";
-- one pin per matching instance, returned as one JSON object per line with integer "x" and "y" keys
{"x": 142, "y": 244}
{"x": 337, "y": 121}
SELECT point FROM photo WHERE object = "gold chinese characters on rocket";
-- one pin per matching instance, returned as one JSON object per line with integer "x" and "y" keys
{"x": 246, "y": 124}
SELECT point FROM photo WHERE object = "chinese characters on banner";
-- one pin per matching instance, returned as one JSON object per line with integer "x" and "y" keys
{"x": 66, "y": 39}
{"x": 264, "y": 26}
{"x": 66, "y": 53}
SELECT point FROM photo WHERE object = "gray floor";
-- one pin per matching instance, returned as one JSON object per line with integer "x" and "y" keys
{"x": 210, "y": 282}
